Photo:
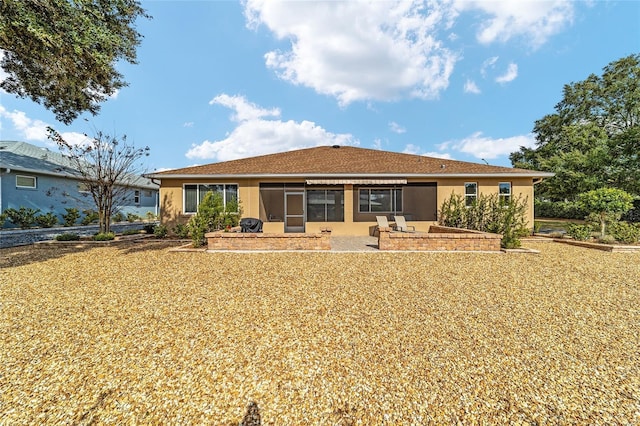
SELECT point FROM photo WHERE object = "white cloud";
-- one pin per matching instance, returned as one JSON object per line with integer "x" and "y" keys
{"x": 188, "y": 124}
{"x": 255, "y": 135}
{"x": 396, "y": 128}
{"x": 509, "y": 75}
{"x": 33, "y": 130}
{"x": 470, "y": 86}
{"x": 417, "y": 150}
{"x": 244, "y": 110}
{"x": 533, "y": 20}
{"x": 358, "y": 51}
{"x": 484, "y": 147}
{"x": 488, "y": 64}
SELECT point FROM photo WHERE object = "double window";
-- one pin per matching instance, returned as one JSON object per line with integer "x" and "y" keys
{"x": 136, "y": 197}
{"x": 194, "y": 194}
{"x": 26, "y": 182}
{"x": 380, "y": 200}
{"x": 470, "y": 193}
{"x": 325, "y": 205}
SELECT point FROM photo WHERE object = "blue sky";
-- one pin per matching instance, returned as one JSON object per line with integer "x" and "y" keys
{"x": 466, "y": 80}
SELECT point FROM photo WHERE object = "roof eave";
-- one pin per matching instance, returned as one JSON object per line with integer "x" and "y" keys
{"x": 348, "y": 175}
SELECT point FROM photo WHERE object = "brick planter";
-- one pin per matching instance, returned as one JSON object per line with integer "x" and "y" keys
{"x": 439, "y": 238}
{"x": 248, "y": 241}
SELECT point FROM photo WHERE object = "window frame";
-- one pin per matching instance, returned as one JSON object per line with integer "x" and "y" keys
{"x": 394, "y": 190}
{"x": 199, "y": 192}
{"x": 35, "y": 182}
{"x": 326, "y": 204}
{"x": 467, "y": 196}
{"x": 136, "y": 196}
{"x": 505, "y": 197}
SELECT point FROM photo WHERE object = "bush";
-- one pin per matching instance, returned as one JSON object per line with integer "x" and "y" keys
{"x": 132, "y": 217}
{"x": 212, "y": 216}
{"x": 48, "y": 220}
{"x": 607, "y": 239}
{"x": 149, "y": 228}
{"x": 161, "y": 231}
{"x": 488, "y": 214}
{"x": 625, "y": 232}
{"x": 579, "y": 232}
{"x": 104, "y": 236}
{"x": 90, "y": 216}
{"x": 3, "y": 218}
{"x": 151, "y": 216}
{"x": 607, "y": 203}
{"x": 118, "y": 217}
{"x": 181, "y": 230}
{"x": 558, "y": 209}
{"x": 67, "y": 237}
{"x": 71, "y": 216}
{"x": 23, "y": 217}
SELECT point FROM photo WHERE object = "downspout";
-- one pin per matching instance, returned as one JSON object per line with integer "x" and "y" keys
{"x": 157, "y": 206}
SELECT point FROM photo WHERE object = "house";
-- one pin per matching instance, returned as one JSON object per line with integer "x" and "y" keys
{"x": 340, "y": 186}
{"x": 37, "y": 178}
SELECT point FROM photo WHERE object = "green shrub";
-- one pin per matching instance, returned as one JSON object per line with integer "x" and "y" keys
{"x": 558, "y": 209}
{"x": 3, "y": 218}
{"x": 536, "y": 226}
{"x": 579, "y": 232}
{"x": 132, "y": 217}
{"x": 23, "y": 217}
{"x": 161, "y": 231}
{"x": 607, "y": 239}
{"x": 149, "y": 228}
{"x": 625, "y": 232}
{"x": 67, "y": 237}
{"x": 104, "y": 236}
{"x": 212, "y": 216}
{"x": 609, "y": 204}
{"x": 151, "y": 216}
{"x": 71, "y": 216}
{"x": 118, "y": 217}
{"x": 90, "y": 216}
{"x": 47, "y": 220}
{"x": 488, "y": 214}
{"x": 181, "y": 230}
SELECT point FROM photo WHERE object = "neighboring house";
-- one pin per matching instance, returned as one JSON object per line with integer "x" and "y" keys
{"x": 37, "y": 178}
{"x": 339, "y": 186}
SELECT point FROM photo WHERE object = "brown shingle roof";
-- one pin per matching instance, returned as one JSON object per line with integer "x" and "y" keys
{"x": 343, "y": 160}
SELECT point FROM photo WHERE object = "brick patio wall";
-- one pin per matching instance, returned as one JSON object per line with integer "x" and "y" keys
{"x": 268, "y": 241}
{"x": 439, "y": 238}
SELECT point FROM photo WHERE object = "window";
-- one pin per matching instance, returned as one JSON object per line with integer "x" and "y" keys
{"x": 504, "y": 192}
{"x": 325, "y": 205}
{"x": 380, "y": 200}
{"x": 470, "y": 193}
{"x": 83, "y": 187}
{"x": 25, "y": 181}
{"x": 147, "y": 193}
{"x": 136, "y": 197}
{"x": 194, "y": 194}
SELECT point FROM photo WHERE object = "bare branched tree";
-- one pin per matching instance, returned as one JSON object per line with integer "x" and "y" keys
{"x": 108, "y": 167}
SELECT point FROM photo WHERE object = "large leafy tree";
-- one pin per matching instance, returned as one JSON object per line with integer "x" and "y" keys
{"x": 63, "y": 53}
{"x": 593, "y": 138}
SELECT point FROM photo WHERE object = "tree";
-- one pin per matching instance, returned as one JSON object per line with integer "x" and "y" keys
{"x": 593, "y": 138}
{"x": 62, "y": 53}
{"x": 607, "y": 204}
{"x": 107, "y": 167}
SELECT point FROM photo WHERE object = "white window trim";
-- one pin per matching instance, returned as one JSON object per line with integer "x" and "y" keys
{"x": 35, "y": 182}
{"x": 475, "y": 196}
{"x": 136, "y": 196}
{"x": 224, "y": 194}
{"x": 507, "y": 196}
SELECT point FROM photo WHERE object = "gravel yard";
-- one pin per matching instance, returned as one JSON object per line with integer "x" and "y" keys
{"x": 140, "y": 335}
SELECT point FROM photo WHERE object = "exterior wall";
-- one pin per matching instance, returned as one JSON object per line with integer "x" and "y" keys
{"x": 55, "y": 193}
{"x": 249, "y": 196}
{"x": 279, "y": 241}
{"x": 439, "y": 238}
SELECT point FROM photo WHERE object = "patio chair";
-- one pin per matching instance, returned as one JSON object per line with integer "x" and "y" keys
{"x": 383, "y": 222}
{"x": 401, "y": 224}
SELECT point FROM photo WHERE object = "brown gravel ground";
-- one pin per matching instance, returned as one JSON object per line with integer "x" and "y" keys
{"x": 141, "y": 335}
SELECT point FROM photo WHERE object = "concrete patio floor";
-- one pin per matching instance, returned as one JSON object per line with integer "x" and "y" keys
{"x": 354, "y": 243}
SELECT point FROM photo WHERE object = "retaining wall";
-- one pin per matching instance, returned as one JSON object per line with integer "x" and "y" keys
{"x": 269, "y": 241}
{"x": 439, "y": 238}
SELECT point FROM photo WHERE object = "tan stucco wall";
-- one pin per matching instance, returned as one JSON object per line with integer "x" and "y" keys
{"x": 249, "y": 196}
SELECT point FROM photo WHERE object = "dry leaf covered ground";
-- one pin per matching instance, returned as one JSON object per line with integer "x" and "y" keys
{"x": 141, "y": 335}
